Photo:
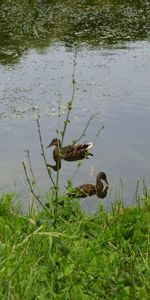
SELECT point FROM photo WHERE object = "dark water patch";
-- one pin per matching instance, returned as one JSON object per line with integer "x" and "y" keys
{"x": 38, "y": 24}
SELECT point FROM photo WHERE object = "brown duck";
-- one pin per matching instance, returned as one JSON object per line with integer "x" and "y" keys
{"x": 85, "y": 190}
{"x": 69, "y": 153}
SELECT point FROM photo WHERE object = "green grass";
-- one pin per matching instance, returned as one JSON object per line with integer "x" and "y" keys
{"x": 100, "y": 256}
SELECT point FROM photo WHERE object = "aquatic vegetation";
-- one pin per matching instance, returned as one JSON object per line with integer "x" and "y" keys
{"x": 37, "y": 24}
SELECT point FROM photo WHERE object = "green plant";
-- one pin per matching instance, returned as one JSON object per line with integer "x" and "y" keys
{"x": 54, "y": 196}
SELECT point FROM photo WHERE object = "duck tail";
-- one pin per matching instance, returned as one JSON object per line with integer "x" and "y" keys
{"x": 89, "y": 146}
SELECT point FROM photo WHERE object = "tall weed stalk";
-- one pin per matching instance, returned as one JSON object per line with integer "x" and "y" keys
{"x": 31, "y": 180}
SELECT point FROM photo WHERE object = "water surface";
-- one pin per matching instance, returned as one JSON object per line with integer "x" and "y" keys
{"x": 113, "y": 82}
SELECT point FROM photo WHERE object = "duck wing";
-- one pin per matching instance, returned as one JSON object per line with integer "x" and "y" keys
{"x": 86, "y": 146}
{"x": 77, "y": 147}
{"x": 83, "y": 191}
{"x": 76, "y": 152}
{"x": 68, "y": 149}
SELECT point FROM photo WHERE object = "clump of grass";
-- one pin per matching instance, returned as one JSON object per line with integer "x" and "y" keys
{"x": 99, "y": 256}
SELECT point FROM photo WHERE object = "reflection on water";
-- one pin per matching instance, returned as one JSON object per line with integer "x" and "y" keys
{"x": 114, "y": 82}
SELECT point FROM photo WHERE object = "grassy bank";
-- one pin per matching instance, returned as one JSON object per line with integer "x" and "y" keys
{"x": 101, "y": 256}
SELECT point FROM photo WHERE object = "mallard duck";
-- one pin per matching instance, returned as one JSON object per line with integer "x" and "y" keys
{"x": 70, "y": 152}
{"x": 100, "y": 189}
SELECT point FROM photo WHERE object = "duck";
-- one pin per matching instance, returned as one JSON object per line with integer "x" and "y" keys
{"x": 70, "y": 152}
{"x": 85, "y": 190}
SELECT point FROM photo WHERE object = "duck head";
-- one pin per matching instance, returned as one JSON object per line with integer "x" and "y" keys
{"x": 54, "y": 142}
{"x": 101, "y": 177}
{"x": 101, "y": 185}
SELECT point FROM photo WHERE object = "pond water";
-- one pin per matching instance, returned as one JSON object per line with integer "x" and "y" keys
{"x": 113, "y": 82}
